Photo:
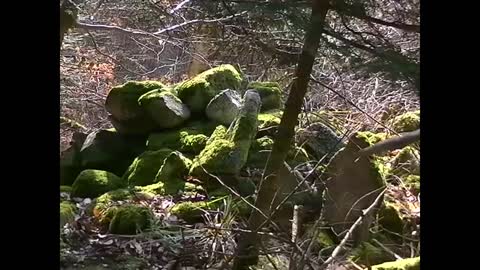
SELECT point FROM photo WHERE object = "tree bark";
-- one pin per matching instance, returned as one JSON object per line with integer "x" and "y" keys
{"x": 247, "y": 252}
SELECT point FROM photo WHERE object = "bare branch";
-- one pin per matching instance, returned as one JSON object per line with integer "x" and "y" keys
{"x": 179, "y": 6}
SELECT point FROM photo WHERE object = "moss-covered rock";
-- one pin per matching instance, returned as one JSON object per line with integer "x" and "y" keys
{"x": 164, "y": 108}
{"x": 67, "y": 212}
{"x": 412, "y": 182}
{"x": 92, "y": 183}
{"x": 110, "y": 151}
{"x": 367, "y": 253}
{"x": 138, "y": 126}
{"x": 224, "y": 107}
{"x": 219, "y": 133}
{"x": 66, "y": 189}
{"x": 406, "y": 162}
{"x": 190, "y": 139}
{"x": 122, "y": 100}
{"x": 404, "y": 264}
{"x": 192, "y": 211}
{"x": 319, "y": 140}
{"x": 261, "y": 148}
{"x": 172, "y": 173}
{"x": 197, "y": 92}
{"x": 102, "y": 207}
{"x": 269, "y": 119}
{"x": 145, "y": 167}
{"x": 159, "y": 189}
{"x": 270, "y": 94}
{"x": 130, "y": 219}
{"x": 406, "y": 122}
{"x": 390, "y": 218}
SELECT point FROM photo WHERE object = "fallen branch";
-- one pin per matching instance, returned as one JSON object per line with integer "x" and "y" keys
{"x": 349, "y": 233}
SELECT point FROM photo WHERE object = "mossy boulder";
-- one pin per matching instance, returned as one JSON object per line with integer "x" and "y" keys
{"x": 412, "y": 182}
{"x": 389, "y": 217}
{"x": 67, "y": 212}
{"x": 224, "y": 107}
{"x": 164, "y": 108}
{"x": 403, "y": 264}
{"x": 228, "y": 153}
{"x": 406, "y": 162}
{"x": 270, "y": 94}
{"x": 192, "y": 211}
{"x": 159, "y": 189}
{"x": 130, "y": 219}
{"x": 182, "y": 140}
{"x": 197, "y": 92}
{"x": 145, "y": 167}
{"x": 122, "y": 100}
{"x": 190, "y": 139}
{"x": 172, "y": 173}
{"x": 219, "y": 133}
{"x": 70, "y": 159}
{"x": 93, "y": 183}
{"x": 406, "y": 122}
{"x": 110, "y": 151}
{"x": 66, "y": 189}
{"x": 342, "y": 194}
{"x": 366, "y": 253}
{"x": 137, "y": 126}
{"x": 261, "y": 148}
{"x": 320, "y": 140}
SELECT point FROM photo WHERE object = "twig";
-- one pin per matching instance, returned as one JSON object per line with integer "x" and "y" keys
{"x": 179, "y": 6}
{"x": 349, "y": 233}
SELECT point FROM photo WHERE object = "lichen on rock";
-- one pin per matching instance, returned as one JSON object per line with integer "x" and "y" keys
{"x": 270, "y": 94}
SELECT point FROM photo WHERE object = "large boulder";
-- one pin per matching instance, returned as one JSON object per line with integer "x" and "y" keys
{"x": 122, "y": 100}
{"x": 136, "y": 126}
{"x": 93, "y": 183}
{"x": 270, "y": 94}
{"x": 164, "y": 108}
{"x": 351, "y": 185}
{"x": 70, "y": 160}
{"x": 130, "y": 219}
{"x": 228, "y": 152}
{"x": 110, "y": 151}
{"x": 190, "y": 139}
{"x": 172, "y": 173}
{"x": 145, "y": 167}
{"x": 197, "y": 92}
{"x": 319, "y": 140}
{"x": 224, "y": 107}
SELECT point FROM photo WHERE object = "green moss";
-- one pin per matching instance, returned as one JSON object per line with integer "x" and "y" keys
{"x": 244, "y": 127}
{"x": 159, "y": 188}
{"x": 406, "y": 122}
{"x": 260, "y": 150}
{"x": 406, "y": 162}
{"x": 404, "y": 264}
{"x": 172, "y": 173}
{"x": 101, "y": 204}
{"x": 153, "y": 95}
{"x": 122, "y": 100}
{"x": 215, "y": 157}
{"x": 368, "y": 254}
{"x": 412, "y": 182}
{"x": 372, "y": 138}
{"x": 67, "y": 189}
{"x": 192, "y": 211}
{"x": 219, "y": 133}
{"x": 92, "y": 183}
{"x": 324, "y": 239}
{"x": 145, "y": 167}
{"x": 190, "y": 139}
{"x": 390, "y": 218}
{"x": 130, "y": 219}
{"x": 270, "y": 94}
{"x": 67, "y": 212}
{"x": 198, "y": 91}
{"x": 269, "y": 119}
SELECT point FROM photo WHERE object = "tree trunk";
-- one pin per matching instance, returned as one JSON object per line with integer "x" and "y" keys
{"x": 247, "y": 252}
